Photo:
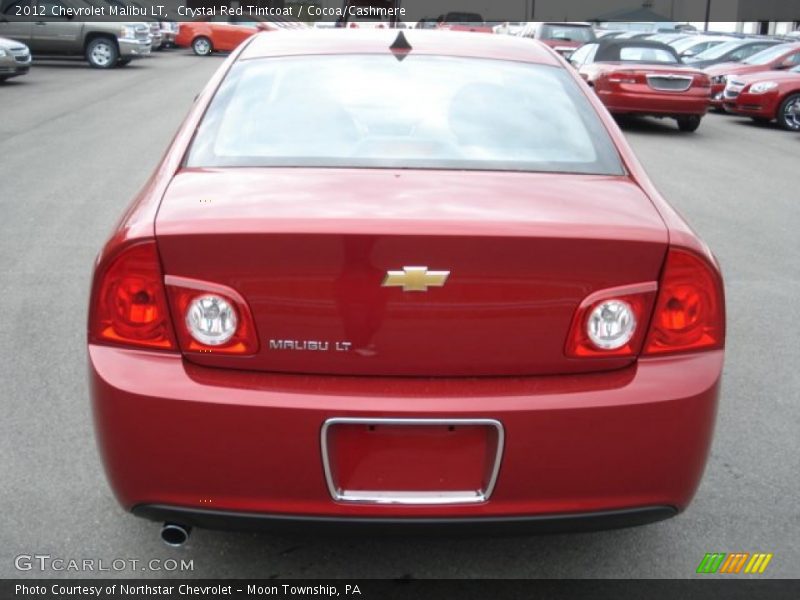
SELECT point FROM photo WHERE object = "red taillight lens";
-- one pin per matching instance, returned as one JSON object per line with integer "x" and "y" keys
{"x": 702, "y": 80}
{"x": 690, "y": 311}
{"x": 625, "y": 77}
{"x": 638, "y": 299}
{"x": 128, "y": 303}
{"x": 183, "y": 294}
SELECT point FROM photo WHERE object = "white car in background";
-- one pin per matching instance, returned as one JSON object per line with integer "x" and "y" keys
{"x": 510, "y": 27}
{"x": 695, "y": 44}
{"x": 169, "y": 31}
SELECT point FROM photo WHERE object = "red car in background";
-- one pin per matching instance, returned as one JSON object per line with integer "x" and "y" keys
{"x": 766, "y": 96}
{"x": 218, "y": 34}
{"x": 564, "y": 38}
{"x": 403, "y": 304}
{"x": 776, "y": 58}
{"x": 641, "y": 77}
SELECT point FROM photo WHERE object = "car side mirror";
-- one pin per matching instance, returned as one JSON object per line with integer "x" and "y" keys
{"x": 787, "y": 64}
{"x": 687, "y": 54}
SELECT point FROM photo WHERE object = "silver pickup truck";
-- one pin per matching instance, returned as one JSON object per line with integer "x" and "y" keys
{"x": 104, "y": 45}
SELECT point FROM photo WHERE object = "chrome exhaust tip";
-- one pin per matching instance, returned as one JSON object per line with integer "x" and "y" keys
{"x": 175, "y": 535}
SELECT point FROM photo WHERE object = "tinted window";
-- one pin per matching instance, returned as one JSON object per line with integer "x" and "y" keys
{"x": 422, "y": 112}
{"x": 666, "y": 38}
{"x": 704, "y": 46}
{"x": 767, "y": 56}
{"x": 635, "y": 26}
{"x": 645, "y": 54}
{"x": 567, "y": 33}
{"x": 744, "y": 52}
{"x": 584, "y": 54}
{"x": 694, "y": 45}
{"x": 718, "y": 51}
{"x": 464, "y": 18}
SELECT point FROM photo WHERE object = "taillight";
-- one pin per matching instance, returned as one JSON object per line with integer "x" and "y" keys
{"x": 611, "y": 322}
{"x": 211, "y": 318}
{"x": 690, "y": 310}
{"x": 623, "y": 77}
{"x": 702, "y": 80}
{"x": 128, "y": 304}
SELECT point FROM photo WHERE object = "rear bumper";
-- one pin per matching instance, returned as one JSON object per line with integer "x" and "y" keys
{"x": 575, "y": 522}
{"x": 178, "y": 437}
{"x": 654, "y": 103}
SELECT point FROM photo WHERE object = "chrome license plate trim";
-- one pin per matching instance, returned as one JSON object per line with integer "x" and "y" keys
{"x": 412, "y": 498}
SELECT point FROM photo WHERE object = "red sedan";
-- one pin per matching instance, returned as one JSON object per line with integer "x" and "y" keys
{"x": 217, "y": 34}
{"x": 451, "y": 297}
{"x": 639, "y": 77}
{"x": 564, "y": 38}
{"x": 766, "y": 96}
{"x": 776, "y": 58}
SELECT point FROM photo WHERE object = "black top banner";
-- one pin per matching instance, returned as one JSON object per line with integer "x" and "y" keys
{"x": 406, "y": 11}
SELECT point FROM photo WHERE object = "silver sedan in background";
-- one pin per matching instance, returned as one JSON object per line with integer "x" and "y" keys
{"x": 15, "y": 58}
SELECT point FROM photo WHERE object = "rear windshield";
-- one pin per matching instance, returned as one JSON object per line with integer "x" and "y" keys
{"x": 463, "y": 18}
{"x": 767, "y": 56}
{"x": 568, "y": 33}
{"x": 719, "y": 50}
{"x": 685, "y": 44}
{"x": 422, "y": 112}
{"x": 646, "y": 54}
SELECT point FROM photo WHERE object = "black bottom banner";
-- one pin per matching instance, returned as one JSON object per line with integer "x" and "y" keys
{"x": 49, "y": 589}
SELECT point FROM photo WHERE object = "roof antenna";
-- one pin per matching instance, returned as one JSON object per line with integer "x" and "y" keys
{"x": 400, "y": 47}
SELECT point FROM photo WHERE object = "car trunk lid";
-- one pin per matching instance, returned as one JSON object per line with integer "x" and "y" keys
{"x": 309, "y": 249}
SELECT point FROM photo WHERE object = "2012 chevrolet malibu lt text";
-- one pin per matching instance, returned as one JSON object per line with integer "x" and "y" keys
{"x": 409, "y": 278}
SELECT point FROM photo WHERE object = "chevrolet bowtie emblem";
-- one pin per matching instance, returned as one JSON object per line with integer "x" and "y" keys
{"x": 415, "y": 279}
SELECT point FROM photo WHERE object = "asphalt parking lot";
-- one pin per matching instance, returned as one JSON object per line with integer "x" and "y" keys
{"x": 77, "y": 143}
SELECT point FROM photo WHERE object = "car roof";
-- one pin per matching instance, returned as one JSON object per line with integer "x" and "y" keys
{"x": 704, "y": 37}
{"x": 609, "y": 50}
{"x": 568, "y": 23}
{"x": 750, "y": 40}
{"x": 376, "y": 41}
